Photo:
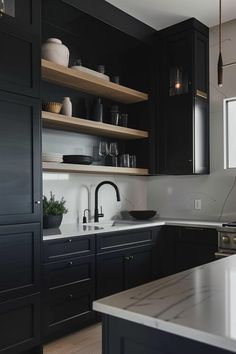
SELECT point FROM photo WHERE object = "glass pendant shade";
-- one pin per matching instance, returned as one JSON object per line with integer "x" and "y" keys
{"x": 178, "y": 81}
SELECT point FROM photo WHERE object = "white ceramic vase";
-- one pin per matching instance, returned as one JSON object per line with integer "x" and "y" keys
{"x": 66, "y": 107}
{"x": 53, "y": 50}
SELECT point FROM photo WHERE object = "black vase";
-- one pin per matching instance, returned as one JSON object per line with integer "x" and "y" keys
{"x": 52, "y": 221}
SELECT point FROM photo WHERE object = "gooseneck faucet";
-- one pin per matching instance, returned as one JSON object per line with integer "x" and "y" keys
{"x": 96, "y": 213}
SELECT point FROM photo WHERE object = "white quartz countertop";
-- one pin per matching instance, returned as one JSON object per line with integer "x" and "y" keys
{"x": 198, "y": 304}
{"x": 70, "y": 230}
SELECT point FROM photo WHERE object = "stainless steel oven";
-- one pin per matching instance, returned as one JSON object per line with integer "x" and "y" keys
{"x": 226, "y": 242}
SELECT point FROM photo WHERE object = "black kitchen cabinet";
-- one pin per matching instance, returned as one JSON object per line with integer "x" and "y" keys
{"x": 182, "y": 105}
{"x": 68, "y": 285}
{"x": 20, "y": 171}
{"x": 194, "y": 247}
{"x": 19, "y": 260}
{"x": 20, "y": 325}
{"x": 20, "y": 177}
{"x": 180, "y": 248}
{"x": 22, "y": 14}
{"x": 125, "y": 269}
{"x": 125, "y": 260}
{"x": 166, "y": 244}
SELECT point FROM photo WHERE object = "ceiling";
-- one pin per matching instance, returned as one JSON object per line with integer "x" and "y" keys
{"x": 163, "y": 13}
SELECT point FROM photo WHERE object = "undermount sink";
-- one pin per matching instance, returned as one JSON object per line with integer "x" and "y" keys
{"x": 108, "y": 224}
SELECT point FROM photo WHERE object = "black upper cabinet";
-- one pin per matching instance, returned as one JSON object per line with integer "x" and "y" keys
{"x": 21, "y": 14}
{"x": 19, "y": 62}
{"x": 182, "y": 134}
{"x": 20, "y": 177}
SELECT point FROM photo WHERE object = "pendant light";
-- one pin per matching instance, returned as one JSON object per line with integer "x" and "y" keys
{"x": 221, "y": 66}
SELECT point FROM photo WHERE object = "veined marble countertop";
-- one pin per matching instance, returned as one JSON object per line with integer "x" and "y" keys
{"x": 198, "y": 304}
{"x": 70, "y": 230}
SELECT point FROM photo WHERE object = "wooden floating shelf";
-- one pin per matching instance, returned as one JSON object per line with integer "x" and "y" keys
{"x": 59, "y": 121}
{"x": 88, "y": 83}
{"x": 71, "y": 168}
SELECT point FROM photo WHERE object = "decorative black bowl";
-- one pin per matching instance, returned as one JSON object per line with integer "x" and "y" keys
{"x": 78, "y": 159}
{"x": 142, "y": 214}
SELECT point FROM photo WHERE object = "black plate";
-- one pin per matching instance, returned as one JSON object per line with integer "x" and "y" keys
{"x": 78, "y": 159}
{"x": 142, "y": 214}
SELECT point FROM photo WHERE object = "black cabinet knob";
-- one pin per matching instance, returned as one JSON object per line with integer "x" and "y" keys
{"x": 71, "y": 296}
{"x": 70, "y": 263}
{"x": 69, "y": 240}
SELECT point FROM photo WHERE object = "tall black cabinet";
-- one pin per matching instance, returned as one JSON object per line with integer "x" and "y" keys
{"x": 20, "y": 177}
{"x": 181, "y": 98}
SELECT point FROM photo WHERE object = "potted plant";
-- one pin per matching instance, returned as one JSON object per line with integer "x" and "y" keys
{"x": 53, "y": 211}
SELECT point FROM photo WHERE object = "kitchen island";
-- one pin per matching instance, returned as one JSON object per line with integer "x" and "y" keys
{"x": 190, "y": 312}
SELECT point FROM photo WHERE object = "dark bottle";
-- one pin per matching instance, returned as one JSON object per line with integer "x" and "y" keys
{"x": 97, "y": 112}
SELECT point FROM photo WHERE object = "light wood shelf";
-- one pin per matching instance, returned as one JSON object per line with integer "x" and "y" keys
{"x": 88, "y": 83}
{"x": 73, "y": 168}
{"x": 59, "y": 121}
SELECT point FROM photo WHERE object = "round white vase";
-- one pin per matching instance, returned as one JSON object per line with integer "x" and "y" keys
{"x": 66, "y": 107}
{"x": 53, "y": 50}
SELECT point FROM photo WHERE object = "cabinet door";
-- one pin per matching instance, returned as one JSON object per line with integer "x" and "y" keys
{"x": 22, "y": 14}
{"x": 19, "y": 325}
{"x": 110, "y": 273}
{"x": 117, "y": 271}
{"x": 139, "y": 267}
{"x": 19, "y": 62}
{"x": 194, "y": 247}
{"x": 166, "y": 250}
{"x": 20, "y": 170}
{"x": 19, "y": 260}
{"x": 176, "y": 105}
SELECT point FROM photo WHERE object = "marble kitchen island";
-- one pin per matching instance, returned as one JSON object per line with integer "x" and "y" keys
{"x": 192, "y": 312}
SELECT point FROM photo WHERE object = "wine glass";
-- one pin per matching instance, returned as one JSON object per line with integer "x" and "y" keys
{"x": 103, "y": 150}
{"x": 113, "y": 152}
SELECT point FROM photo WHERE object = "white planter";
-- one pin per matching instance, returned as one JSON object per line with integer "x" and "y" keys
{"x": 66, "y": 107}
{"x": 53, "y": 50}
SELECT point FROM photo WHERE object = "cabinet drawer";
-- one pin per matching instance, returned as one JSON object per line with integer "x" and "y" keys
{"x": 19, "y": 325}
{"x": 74, "y": 246}
{"x": 67, "y": 307}
{"x": 19, "y": 260}
{"x": 112, "y": 241}
{"x": 69, "y": 271}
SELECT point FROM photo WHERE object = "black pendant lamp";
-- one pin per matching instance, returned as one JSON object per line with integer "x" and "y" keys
{"x": 220, "y": 61}
{"x": 221, "y": 66}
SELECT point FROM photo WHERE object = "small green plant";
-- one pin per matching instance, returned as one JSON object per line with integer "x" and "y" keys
{"x": 54, "y": 207}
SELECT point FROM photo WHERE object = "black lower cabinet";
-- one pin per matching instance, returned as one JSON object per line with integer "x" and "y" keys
{"x": 194, "y": 247}
{"x": 117, "y": 271}
{"x": 125, "y": 337}
{"x": 69, "y": 285}
{"x": 20, "y": 325}
{"x": 67, "y": 309}
{"x": 181, "y": 248}
{"x": 20, "y": 260}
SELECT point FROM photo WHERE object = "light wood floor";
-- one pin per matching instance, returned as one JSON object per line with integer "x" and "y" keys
{"x": 86, "y": 341}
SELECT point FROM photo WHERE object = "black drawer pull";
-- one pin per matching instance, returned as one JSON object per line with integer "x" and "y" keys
{"x": 70, "y": 263}
{"x": 71, "y": 296}
{"x": 69, "y": 240}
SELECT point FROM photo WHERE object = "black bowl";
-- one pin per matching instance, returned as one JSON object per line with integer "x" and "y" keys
{"x": 142, "y": 214}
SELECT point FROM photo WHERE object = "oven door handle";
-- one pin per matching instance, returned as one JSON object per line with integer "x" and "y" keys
{"x": 219, "y": 255}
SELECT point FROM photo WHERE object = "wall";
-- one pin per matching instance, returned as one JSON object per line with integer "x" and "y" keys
{"x": 174, "y": 196}
{"x": 75, "y": 187}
